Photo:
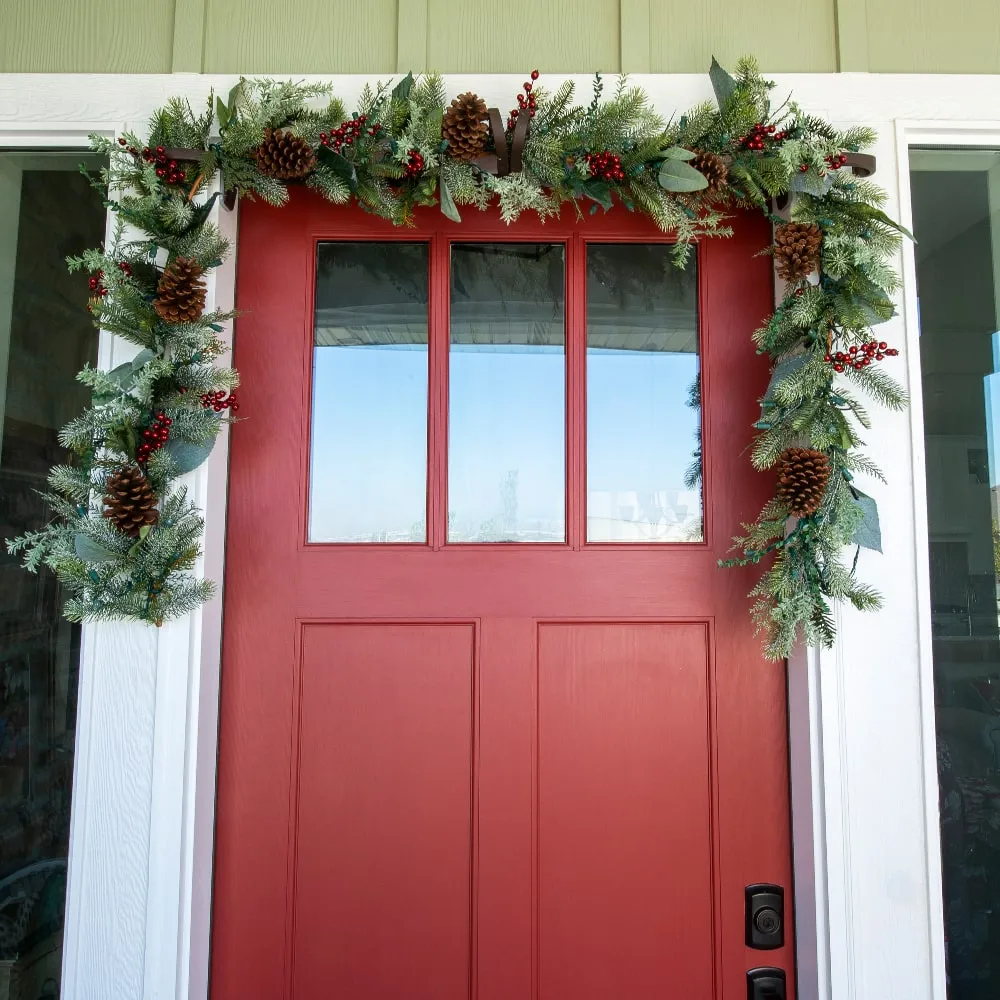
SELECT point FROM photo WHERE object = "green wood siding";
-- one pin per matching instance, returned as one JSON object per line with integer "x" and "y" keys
{"x": 500, "y": 36}
{"x": 86, "y": 36}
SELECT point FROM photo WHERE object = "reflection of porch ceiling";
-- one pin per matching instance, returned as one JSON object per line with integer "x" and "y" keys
{"x": 666, "y": 331}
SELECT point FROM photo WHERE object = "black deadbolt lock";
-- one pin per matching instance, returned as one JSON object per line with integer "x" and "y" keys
{"x": 765, "y": 906}
{"x": 766, "y": 984}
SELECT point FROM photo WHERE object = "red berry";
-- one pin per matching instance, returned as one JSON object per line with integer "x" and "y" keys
{"x": 803, "y": 167}
{"x": 534, "y": 74}
{"x": 838, "y": 367}
{"x": 827, "y": 357}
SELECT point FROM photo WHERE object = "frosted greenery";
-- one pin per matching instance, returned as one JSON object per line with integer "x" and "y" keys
{"x": 111, "y": 576}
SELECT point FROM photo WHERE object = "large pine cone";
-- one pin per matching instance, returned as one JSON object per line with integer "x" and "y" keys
{"x": 796, "y": 250}
{"x": 712, "y": 168}
{"x": 180, "y": 293}
{"x": 802, "y": 477}
{"x": 285, "y": 156}
{"x": 465, "y": 127}
{"x": 130, "y": 501}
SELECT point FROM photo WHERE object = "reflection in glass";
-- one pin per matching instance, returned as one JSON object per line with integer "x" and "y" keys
{"x": 369, "y": 414}
{"x": 47, "y": 211}
{"x": 643, "y": 396}
{"x": 956, "y": 200}
{"x": 507, "y": 374}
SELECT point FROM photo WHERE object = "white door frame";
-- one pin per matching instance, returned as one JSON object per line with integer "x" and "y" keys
{"x": 864, "y": 780}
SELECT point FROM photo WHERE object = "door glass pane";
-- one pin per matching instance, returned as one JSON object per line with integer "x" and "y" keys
{"x": 368, "y": 479}
{"x": 47, "y": 210}
{"x": 507, "y": 375}
{"x": 643, "y": 396}
{"x": 956, "y": 215}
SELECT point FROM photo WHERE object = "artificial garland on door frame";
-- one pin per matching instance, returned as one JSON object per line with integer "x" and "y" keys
{"x": 125, "y": 537}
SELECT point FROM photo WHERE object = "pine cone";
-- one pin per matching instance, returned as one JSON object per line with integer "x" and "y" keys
{"x": 465, "y": 127}
{"x": 712, "y": 168}
{"x": 180, "y": 293}
{"x": 796, "y": 250}
{"x": 285, "y": 156}
{"x": 802, "y": 477}
{"x": 130, "y": 501}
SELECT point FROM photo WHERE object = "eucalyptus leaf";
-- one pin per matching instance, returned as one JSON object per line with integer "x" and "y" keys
{"x": 401, "y": 92}
{"x": 186, "y": 456}
{"x": 448, "y": 207}
{"x": 599, "y": 191}
{"x": 865, "y": 211}
{"x": 200, "y": 215}
{"x": 869, "y": 533}
{"x": 677, "y": 153}
{"x": 811, "y": 182}
{"x": 785, "y": 367}
{"x": 124, "y": 374}
{"x": 92, "y": 552}
{"x": 340, "y": 165}
{"x": 142, "y": 358}
{"x": 678, "y": 176}
{"x": 223, "y": 112}
{"x": 722, "y": 83}
{"x": 235, "y": 96}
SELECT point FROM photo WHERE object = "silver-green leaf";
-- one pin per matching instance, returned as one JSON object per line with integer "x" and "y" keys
{"x": 678, "y": 176}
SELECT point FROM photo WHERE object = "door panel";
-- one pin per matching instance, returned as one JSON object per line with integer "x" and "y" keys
{"x": 623, "y": 795}
{"x": 497, "y": 770}
{"x": 385, "y": 750}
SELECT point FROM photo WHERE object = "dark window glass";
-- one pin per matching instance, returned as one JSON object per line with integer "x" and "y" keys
{"x": 956, "y": 213}
{"x": 368, "y": 479}
{"x": 47, "y": 210}
{"x": 507, "y": 378}
{"x": 643, "y": 396}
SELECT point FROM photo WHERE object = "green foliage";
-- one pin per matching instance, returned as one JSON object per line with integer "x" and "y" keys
{"x": 112, "y": 576}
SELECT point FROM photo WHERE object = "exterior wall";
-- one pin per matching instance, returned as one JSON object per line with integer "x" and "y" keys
{"x": 505, "y": 36}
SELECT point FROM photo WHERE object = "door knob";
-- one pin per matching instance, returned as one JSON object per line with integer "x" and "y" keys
{"x": 766, "y": 984}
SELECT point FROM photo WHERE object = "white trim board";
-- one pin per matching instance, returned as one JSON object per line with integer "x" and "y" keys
{"x": 864, "y": 787}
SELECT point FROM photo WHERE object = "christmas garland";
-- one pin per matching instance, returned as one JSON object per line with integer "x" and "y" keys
{"x": 125, "y": 538}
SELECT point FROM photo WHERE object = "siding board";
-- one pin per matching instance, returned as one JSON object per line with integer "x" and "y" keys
{"x": 928, "y": 36}
{"x": 511, "y": 36}
{"x": 785, "y": 35}
{"x": 300, "y": 36}
{"x": 86, "y": 36}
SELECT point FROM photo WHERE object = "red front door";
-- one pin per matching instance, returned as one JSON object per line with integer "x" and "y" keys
{"x": 494, "y": 724}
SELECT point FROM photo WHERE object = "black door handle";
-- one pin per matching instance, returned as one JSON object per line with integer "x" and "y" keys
{"x": 766, "y": 984}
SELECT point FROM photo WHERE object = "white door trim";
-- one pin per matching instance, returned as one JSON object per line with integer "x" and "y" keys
{"x": 864, "y": 784}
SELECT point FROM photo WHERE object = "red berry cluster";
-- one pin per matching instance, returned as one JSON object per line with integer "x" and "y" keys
{"x": 606, "y": 166}
{"x": 760, "y": 134}
{"x": 414, "y": 164}
{"x": 861, "y": 357}
{"x": 347, "y": 133}
{"x": 837, "y": 161}
{"x": 96, "y": 281}
{"x": 166, "y": 169}
{"x": 219, "y": 401}
{"x": 154, "y": 437}
{"x": 525, "y": 101}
